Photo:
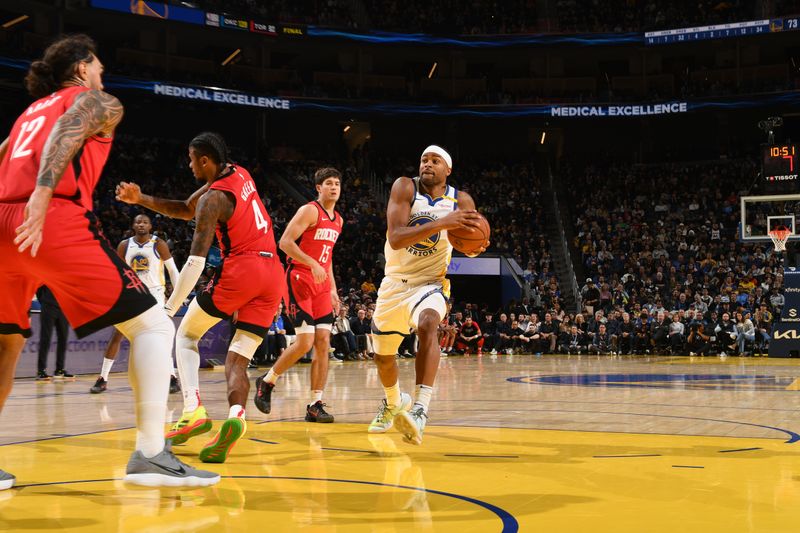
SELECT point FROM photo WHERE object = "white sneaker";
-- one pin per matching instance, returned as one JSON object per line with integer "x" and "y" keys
{"x": 384, "y": 420}
{"x": 412, "y": 425}
{"x": 493, "y": 352}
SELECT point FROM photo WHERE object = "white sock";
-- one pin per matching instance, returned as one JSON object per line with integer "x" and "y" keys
{"x": 194, "y": 325}
{"x": 107, "y": 364}
{"x": 393, "y": 394}
{"x": 236, "y": 411}
{"x": 316, "y": 396}
{"x": 423, "y": 398}
{"x": 189, "y": 370}
{"x": 151, "y": 335}
{"x": 271, "y": 377}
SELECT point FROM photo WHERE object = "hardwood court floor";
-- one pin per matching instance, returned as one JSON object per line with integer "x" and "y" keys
{"x": 554, "y": 443}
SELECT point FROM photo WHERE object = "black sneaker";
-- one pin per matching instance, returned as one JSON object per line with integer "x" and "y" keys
{"x": 174, "y": 386}
{"x": 263, "y": 397}
{"x": 317, "y": 413}
{"x": 63, "y": 374}
{"x": 99, "y": 386}
{"x": 42, "y": 376}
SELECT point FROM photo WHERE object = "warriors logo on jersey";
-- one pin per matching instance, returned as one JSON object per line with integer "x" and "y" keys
{"x": 140, "y": 264}
{"x": 427, "y": 246}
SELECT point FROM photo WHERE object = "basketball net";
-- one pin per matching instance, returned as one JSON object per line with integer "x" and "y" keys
{"x": 779, "y": 237}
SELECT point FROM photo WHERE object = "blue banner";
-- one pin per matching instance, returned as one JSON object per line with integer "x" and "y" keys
{"x": 482, "y": 41}
{"x": 149, "y": 8}
{"x": 232, "y": 97}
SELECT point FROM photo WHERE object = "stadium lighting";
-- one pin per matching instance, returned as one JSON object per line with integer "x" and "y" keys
{"x": 15, "y": 21}
{"x": 433, "y": 69}
{"x": 346, "y": 129}
{"x": 230, "y": 57}
{"x": 544, "y": 134}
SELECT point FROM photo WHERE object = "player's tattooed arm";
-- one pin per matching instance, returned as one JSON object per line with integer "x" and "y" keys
{"x": 130, "y": 193}
{"x": 213, "y": 206}
{"x": 92, "y": 113}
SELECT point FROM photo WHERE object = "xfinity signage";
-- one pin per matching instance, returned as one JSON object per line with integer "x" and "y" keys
{"x": 474, "y": 266}
{"x": 222, "y": 96}
{"x": 618, "y": 110}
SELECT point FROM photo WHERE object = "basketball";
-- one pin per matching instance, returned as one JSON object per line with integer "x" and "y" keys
{"x": 470, "y": 241}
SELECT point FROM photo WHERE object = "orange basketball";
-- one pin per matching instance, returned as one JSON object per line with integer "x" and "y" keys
{"x": 469, "y": 241}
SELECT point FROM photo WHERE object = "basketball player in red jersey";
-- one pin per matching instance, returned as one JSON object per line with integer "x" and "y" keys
{"x": 49, "y": 167}
{"x": 313, "y": 298}
{"x": 249, "y": 283}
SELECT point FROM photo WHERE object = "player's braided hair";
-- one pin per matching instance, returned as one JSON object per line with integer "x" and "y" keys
{"x": 211, "y": 145}
{"x": 58, "y": 64}
{"x": 324, "y": 173}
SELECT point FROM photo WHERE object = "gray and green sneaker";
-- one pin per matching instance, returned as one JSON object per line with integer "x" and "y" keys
{"x": 6, "y": 480}
{"x": 384, "y": 419}
{"x": 412, "y": 425}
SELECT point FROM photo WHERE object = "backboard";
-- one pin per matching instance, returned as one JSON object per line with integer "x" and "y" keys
{"x": 759, "y": 214}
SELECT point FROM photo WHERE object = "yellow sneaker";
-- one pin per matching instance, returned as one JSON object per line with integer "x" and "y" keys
{"x": 190, "y": 424}
{"x": 217, "y": 450}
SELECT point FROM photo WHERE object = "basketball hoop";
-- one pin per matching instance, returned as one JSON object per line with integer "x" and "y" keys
{"x": 779, "y": 236}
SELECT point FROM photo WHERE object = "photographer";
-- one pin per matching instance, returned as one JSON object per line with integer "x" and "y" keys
{"x": 725, "y": 332}
{"x": 698, "y": 342}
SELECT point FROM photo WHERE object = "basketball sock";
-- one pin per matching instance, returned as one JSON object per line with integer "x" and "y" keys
{"x": 271, "y": 377}
{"x": 316, "y": 396}
{"x": 189, "y": 370}
{"x": 423, "y": 397}
{"x": 106, "y": 370}
{"x": 193, "y": 326}
{"x": 236, "y": 411}
{"x": 393, "y": 395}
{"x": 151, "y": 335}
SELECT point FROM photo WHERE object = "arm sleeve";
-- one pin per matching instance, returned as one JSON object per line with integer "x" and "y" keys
{"x": 172, "y": 270}
{"x": 186, "y": 282}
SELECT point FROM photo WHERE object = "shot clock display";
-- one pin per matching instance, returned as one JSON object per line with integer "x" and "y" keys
{"x": 779, "y": 163}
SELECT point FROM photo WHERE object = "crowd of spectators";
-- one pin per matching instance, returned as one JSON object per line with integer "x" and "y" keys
{"x": 659, "y": 243}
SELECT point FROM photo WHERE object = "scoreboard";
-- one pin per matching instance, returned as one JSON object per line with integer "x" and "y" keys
{"x": 779, "y": 163}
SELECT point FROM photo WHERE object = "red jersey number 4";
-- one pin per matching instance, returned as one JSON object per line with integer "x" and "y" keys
{"x": 261, "y": 222}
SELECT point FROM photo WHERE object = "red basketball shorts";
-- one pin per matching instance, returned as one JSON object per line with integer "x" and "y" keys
{"x": 309, "y": 303}
{"x": 93, "y": 286}
{"x": 250, "y": 284}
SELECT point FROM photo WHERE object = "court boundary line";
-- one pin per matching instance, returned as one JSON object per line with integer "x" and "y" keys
{"x": 510, "y": 523}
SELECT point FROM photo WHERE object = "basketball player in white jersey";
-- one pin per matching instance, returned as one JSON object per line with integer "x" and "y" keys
{"x": 414, "y": 292}
{"x": 148, "y": 256}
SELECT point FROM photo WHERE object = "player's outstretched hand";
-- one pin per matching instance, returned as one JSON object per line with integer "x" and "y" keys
{"x": 319, "y": 273}
{"x": 130, "y": 193}
{"x": 466, "y": 219}
{"x": 29, "y": 233}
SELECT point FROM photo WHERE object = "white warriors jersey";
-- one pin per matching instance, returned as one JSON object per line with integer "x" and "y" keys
{"x": 145, "y": 261}
{"x": 426, "y": 260}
